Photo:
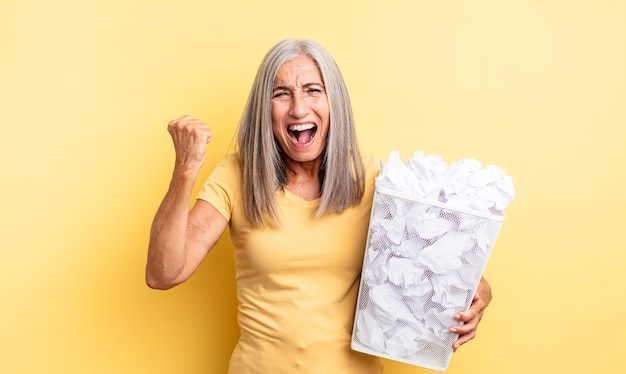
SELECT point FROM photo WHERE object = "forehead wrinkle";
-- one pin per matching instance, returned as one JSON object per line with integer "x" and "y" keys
{"x": 297, "y": 70}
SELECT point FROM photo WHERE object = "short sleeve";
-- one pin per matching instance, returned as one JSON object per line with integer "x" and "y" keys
{"x": 222, "y": 186}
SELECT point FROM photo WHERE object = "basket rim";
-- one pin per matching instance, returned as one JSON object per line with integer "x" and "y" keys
{"x": 493, "y": 217}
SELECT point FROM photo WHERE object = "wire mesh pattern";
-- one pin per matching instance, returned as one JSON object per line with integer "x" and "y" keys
{"x": 422, "y": 264}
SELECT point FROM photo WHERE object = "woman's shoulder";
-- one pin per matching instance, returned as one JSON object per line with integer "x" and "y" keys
{"x": 231, "y": 158}
{"x": 227, "y": 169}
{"x": 230, "y": 161}
{"x": 371, "y": 164}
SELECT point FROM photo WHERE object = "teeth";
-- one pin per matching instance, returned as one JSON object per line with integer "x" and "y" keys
{"x": 302, "y": 127}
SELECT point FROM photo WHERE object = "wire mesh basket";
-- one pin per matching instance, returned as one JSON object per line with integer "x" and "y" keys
{"x": 423, "y": 262}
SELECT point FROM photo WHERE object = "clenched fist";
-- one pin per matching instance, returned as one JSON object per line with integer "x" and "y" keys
{"x": 190, "y": 136}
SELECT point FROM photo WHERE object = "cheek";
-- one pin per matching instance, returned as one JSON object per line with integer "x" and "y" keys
{"x": 278, "y": 112}
{"x": 322, "y": 109}
{"x": 276, "y": 129}
{"x": 275, "y": 119}
{"x": 324, "y": 113}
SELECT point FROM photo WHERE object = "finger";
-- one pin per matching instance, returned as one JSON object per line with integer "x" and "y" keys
{"x": 189, "y": 126}
{"x": 476, "y": 308}
{"x": 208, "y": 135}
{"x": 178, "y": 120}
{"x": 468, "y": 326}
{"x": 192, "y": 123}
{"x": 466, "y": 316}
{"x": 463, "y": 339}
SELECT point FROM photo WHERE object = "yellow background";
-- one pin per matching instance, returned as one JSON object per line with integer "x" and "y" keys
{"x": 87, "y": 87}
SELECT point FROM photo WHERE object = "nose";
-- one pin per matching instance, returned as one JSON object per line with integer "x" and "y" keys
{"x": 299, "y": 106}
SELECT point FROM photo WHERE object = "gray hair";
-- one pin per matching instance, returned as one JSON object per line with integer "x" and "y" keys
{"x": 263, "y": 168}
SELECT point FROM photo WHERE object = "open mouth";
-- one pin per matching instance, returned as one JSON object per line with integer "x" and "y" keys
{"x": 302, "y": 134}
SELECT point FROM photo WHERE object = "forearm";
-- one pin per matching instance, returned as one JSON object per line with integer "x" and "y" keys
{"x": 167, "y": 247}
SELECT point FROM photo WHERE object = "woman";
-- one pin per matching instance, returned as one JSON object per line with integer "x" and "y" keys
{"x": 297, "y": 197}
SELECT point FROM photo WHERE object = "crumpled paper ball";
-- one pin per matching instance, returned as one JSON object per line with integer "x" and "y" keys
{"x": 463, "y": 184}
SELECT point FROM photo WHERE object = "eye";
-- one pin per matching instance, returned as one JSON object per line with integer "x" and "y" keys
{"x": 281, "y": 94}
{"x": 314, "y": 91}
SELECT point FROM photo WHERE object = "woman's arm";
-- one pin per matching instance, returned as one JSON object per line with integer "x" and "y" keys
{"x": 179, "y": 238}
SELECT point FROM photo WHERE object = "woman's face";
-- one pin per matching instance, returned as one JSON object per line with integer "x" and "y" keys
{"x": 300, "y": 111}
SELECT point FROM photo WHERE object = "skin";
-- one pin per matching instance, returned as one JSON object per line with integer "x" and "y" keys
{"x": 181, "y": 238}
{"x": 299, "y": 99}
{"x": 471, "y": 318}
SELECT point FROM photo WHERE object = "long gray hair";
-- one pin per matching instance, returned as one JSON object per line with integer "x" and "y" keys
{"x": 342, "y": 174}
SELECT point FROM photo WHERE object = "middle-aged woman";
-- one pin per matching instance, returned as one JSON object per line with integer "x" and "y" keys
{"x": 297, "y": 197}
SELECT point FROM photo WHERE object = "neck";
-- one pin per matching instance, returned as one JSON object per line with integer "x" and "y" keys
{"x": 303, "y": 170}
{"x": 304, "y": 179}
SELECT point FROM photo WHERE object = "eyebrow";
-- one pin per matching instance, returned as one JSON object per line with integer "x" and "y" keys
{"x": 280, "y": 88}
{"x": 286, "y": 88}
